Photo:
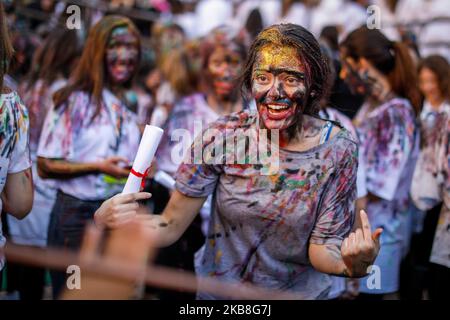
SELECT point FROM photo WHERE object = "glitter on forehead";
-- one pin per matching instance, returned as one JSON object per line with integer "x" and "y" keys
{"x": 272, "y": 56}
{"x": 277, "y": 52}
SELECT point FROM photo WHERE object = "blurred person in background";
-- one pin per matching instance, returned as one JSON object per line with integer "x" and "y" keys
{"x": 50, "y": 68}
{"x": 15, "y": 162}
{"x": 430, "y": 189}
{"x": 342, "y": 288}
{"x": 341, "y": 97}
{"x": 386, "y": 124}
{"x": 90, "y": 137}
{"x": 166, "y": 38}
{"x": 211, "y": 14}
{"x": 314, "y": 15}
{"x": 427, "y": 20}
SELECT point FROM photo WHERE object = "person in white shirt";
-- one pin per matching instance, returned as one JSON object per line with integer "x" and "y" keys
{"x": 430, "y": 21}
{"x": 16, "y": 182}
{"x": 430, "y": 185}
{"x": 90, "y": 136}
{"x": 315, "y": 15}
{"x": 212, "y": 14}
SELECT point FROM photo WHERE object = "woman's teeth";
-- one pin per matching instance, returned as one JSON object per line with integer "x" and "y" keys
{"x": 277, "y": 107}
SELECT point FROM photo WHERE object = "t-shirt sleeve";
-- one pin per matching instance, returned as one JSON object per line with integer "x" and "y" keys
{"x": 57, "y": 136}
{"x": 386, "y": 151}
{"x": 336, "y": 208}
{"x": 199, "y": 173}
{"x": 20, "y": 156}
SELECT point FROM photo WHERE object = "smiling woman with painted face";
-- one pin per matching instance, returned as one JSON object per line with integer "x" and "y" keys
{"x": 90, "y": 137}
{"x": 288, "y": 227}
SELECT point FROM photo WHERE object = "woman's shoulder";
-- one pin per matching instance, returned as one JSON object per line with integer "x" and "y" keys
{"x": 341, "y": 141}
{"x": 343, "y": 138}
{"x": 77, "y": 100}
{"x": 396, "y": 107}
{"x": 11, "y": 100}
{"x": 13, "y": 108}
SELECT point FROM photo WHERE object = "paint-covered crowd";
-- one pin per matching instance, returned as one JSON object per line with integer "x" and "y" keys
{"x": 358, "y": 204}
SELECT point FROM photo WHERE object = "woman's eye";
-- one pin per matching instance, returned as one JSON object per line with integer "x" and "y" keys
{"x": 262, "y": 78}
{"x": 292, "y": 81}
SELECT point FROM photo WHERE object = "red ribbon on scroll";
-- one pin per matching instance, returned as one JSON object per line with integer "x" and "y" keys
{"x": 141, "y": 175}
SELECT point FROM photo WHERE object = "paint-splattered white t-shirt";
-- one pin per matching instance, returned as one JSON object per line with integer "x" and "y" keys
{"x": 72, "y": 134}
{"x": 263, "y": 222}
{"x": 431, "y": 182}
{"x": 14, "y": 148}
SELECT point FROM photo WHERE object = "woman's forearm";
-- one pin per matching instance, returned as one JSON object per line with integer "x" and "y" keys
{"x": 166, "y": 228}
{"x": 164, "y": 231}
{"x": 17, "y": 196}
{"x": 61, "y": 169}
{"x": 328, "y": 259}
{"x": 176, "y": 218}
{"x": 353, "y": 257}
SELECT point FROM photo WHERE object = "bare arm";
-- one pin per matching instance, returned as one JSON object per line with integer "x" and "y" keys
{"x": 62, "y": 169}
{"x": 166, "y": 228}
{"x": 357, "y": 252}
{"x": 17, "y": 195}
{"x": 328, "y": 259}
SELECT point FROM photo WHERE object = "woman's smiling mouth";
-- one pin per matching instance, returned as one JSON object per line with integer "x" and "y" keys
{"x": 276, "y": 111}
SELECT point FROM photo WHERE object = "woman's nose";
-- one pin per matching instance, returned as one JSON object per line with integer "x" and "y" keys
{"x": 275, "y": 91}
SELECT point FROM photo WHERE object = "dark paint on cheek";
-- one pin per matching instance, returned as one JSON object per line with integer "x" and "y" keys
{"x": 299, "y": 97}
{"x": 282, "y": 96}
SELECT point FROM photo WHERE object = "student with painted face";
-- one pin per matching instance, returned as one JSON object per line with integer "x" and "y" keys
{"x": 281, "y": 227}
{"x": 50, "y": 69}
{"x": 430, "y": 187}
{"x": 16, "y": 182}
{"x": 221, "y": 62}
{"x": 386, "y": 125}
{"x": 90, "y": 136}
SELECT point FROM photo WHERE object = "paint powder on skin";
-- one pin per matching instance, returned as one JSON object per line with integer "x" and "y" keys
{"x": 224, "y": 67}
{"x": 122, "y": 54}
{"x": 278, "y": 85}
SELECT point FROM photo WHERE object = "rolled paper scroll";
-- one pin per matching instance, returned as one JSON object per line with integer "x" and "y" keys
{"x": 144, "y": 157}
{"x": 165, "y": 179}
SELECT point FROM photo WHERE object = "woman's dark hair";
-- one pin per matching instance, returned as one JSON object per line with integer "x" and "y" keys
{"x": 90, "y": 73}
{"x": 441, "y": 68}
{"x": 316, "y": 65}
{"x": 6, "y": 49}
{"x": 254, "y": 23}
{"x": 330, "y": 34}
{"x": 54, "y": 57}
{"x": 392, "y": 59}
